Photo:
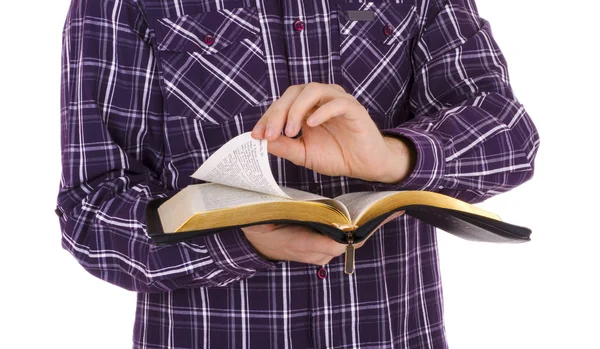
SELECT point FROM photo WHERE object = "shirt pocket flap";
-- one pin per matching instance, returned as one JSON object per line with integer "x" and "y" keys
{"x": 383, "y": 22}
{"x": 207, "y": 32}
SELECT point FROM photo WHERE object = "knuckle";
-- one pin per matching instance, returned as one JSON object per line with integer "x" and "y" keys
{"x": 294, "y": 114}
{"x": 296, "y": 88}
{"x": 275, "y": 110}
{"x": 314, "y": 86}
{"x": 277, "y": 121}
{"x": 338, "y": 87}
{"x": 351, "y": 100}
{"x": 344, "y": 103}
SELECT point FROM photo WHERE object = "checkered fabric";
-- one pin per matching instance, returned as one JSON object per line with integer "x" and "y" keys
{"x": 151, "y": 88}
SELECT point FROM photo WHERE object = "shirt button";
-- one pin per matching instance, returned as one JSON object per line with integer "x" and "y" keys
{"x": 314, "y": 188}
{"x": 388, "y": 30}
{"x": 298, "y": 25}
{"x": 322, "y": 273}
{"x": 209, "y": 39}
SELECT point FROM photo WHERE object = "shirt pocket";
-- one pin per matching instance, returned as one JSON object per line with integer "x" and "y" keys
{"x": 213, "y": 63}
{"x": 375, "y": 52}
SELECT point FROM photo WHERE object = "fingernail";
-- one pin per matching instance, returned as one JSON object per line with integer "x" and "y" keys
{"x": 290, "y": 130}
{"x": 258, "y": 130}
{"x": 311, "y": 121}
{"x": 270, "y": 132}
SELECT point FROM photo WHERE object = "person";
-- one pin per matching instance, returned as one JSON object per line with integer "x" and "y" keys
{"x": 351, "y": 96}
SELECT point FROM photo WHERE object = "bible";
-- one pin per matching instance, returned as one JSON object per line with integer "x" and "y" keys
{"x": 239, "y": 190}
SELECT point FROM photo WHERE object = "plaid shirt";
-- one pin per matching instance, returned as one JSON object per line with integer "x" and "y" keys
{"x": 151, "y": 88}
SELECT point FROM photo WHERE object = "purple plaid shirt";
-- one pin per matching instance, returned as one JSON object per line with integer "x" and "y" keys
{"x": 151, "y": 88}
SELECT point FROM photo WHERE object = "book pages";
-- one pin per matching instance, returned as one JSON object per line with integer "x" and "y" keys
{"x": 243, "y": 162}
{"x": 211, "y": 196}
{"x": 359, "y": 202}
{"x": 306, "y": 196}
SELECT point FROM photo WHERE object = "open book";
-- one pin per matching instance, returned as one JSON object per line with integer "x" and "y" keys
{"x": 240, "y": 191}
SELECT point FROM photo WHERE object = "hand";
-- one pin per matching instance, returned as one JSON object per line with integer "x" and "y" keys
{"x": 339, "y": 138}
{"x": 297, "y": 243}
{"x": 293, "y": 243}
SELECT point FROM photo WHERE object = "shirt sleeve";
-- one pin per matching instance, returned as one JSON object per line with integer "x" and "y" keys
{"x": 112, "y": 157}
{"x": 473, "y": 139}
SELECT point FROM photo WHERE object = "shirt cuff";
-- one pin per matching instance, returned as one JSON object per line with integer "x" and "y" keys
{"x": 233, "y": 253}
{"x": 429, "y": 165}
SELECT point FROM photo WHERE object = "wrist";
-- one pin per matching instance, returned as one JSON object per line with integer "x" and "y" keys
{"x": 401, "y": 159}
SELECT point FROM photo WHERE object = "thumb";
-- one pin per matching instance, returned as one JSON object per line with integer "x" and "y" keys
{"x": 289, "y": 149}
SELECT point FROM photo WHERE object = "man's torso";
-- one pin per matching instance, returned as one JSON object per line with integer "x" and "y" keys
{"x": 222, "y": 63}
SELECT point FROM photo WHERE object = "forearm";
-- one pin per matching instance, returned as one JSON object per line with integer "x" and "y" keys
{"x": 107, "y": 235}
{"x": 472, "y": 138}
{"x": 113, "y": 160}
{"x": 467, "y": 151}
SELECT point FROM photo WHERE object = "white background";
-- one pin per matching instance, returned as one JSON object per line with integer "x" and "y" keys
{"x": 542, "y": 294}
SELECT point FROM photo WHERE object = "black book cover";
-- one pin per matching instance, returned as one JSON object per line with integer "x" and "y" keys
{"x": 464, "y": 225}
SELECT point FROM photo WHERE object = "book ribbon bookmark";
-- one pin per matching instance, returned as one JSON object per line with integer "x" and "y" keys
{"x": 349, "y": 254}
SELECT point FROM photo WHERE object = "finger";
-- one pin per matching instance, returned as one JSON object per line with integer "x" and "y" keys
{"x": 260, "y": 228}
{"x": 258, "y": 132}
{"x": 338, "y": 107}
{"x": 328, "y": 246}
{"x": 290, "y": 149}
{"x": 273, "y": 120}
{"x": 310, "y": 241}
{"x": 276, "y": 109}
{"x": 295, "y": 120}
{"x": 313, "y": 95}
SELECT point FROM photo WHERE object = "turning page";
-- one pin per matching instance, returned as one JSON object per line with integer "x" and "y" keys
{"x": 243, "y": 162}
{"x": 212, "y": 196}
